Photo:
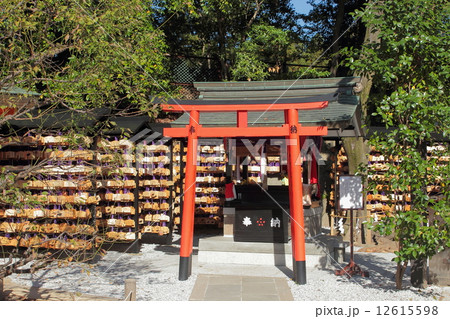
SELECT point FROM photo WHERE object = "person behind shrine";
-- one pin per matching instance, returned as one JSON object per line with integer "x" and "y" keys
{"x": 284, "y": 178}
{"x": 230, "y": 190}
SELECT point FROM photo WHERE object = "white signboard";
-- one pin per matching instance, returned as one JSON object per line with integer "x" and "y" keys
{"x": 350, "y": 192}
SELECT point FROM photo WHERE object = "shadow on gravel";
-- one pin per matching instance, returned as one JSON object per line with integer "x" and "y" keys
{"x": 112, "y": 270}
{"x": 36, "y": 283}
{"x": 169, "y": 250}
{"x": 199, "y": 232}
{"x": 381, "y": 273}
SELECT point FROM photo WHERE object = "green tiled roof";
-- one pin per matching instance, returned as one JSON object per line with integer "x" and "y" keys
{"x": 131, "y": 124}
{"x": 277, "y": 85}
{"x": 59, "y": 119}
{"x": 64, "y": 118}
{"x": 340, "y": 112}
{"x": 14, "y": 90}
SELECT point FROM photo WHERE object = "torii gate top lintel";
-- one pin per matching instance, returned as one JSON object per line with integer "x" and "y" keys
{"x": 194, "y": 107}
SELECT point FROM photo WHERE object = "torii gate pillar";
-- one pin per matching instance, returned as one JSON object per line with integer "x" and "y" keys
{"x": 296, "y": 197}
{"x": 187, "y": 229}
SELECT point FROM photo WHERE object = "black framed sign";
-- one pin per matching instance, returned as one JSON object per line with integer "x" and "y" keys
{"x": 267, "y": 225}
{"x": 350, "y": 192}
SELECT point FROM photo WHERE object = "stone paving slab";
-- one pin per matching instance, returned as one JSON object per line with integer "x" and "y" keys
{"x": 240, "y": 288}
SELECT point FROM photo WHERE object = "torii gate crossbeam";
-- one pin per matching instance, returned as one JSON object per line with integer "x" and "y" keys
{"x": 291, "y": 130}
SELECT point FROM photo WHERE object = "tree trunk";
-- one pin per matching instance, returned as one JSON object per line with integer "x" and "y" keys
{"x": 419, "y": 266}
{"x": 222, "y": 50}
{"x": 249, "y": 24}
{"x": 401, "y": 268}
{"x": 2, "y": 296}
{"x": 418, "y": 273}
{"x": 356, "y": 147}
{"x": 336, "y": 34}
{"x": 371, "y": 36}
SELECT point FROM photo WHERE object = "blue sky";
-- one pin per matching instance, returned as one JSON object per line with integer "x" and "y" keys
{"x": 301, "y": 6}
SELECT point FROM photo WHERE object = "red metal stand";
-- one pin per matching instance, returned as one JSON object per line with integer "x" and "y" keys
{"x": 352, "y": 268}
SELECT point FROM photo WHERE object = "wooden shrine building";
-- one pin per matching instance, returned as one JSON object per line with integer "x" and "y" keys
{"x": 139, "y": 204}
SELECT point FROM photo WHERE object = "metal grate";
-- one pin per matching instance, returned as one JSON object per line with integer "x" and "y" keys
{"x": 194, "y": 69}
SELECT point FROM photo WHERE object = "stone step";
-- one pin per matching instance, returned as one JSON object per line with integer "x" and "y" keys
{"x": 319, "y": 251}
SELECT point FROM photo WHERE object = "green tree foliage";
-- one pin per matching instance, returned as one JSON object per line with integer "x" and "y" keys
{"x": 217, "y": 28}
{"x": 264, "y": 43}
{"x": 60, "y": 57}
{"x": 410, "y": 71}
{"x": 83, "y": 54}
{"x": 330, "y": 26}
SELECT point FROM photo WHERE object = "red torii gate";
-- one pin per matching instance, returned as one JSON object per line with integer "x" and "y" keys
{"x": 291, "y": 130}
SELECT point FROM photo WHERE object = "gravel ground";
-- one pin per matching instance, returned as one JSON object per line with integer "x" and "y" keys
{"x": 155, "y": 269}
{"x": 379, "y": 286}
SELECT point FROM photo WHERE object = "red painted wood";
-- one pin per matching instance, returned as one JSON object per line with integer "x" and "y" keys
{"x": 187, "y": 223}
{"x": 295, "y": 188}
{"x": 7, "y": 111}
{"x": 251, "y": 131}
{"x": 242, "y": 118}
